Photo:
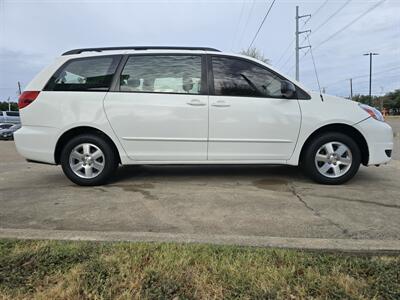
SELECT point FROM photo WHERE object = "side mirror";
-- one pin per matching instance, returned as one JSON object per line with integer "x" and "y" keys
{"x": 288, "y": 90}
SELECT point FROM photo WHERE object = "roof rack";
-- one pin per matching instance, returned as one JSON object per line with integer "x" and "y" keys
{"x": 78, "y": 51}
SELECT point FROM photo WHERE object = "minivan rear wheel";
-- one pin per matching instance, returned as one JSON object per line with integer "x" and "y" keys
{"x": 88, "y": 160}
{"x": 332, "y": 158}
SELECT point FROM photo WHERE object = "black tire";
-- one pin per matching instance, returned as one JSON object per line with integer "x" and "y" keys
{"x": 308, "y": 160}
{"x": 110, "y": 160}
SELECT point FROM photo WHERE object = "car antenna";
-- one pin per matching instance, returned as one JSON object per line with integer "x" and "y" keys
{"x": 315, "y": 69}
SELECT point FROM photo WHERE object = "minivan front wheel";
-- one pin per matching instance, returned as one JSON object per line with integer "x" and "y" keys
{"x": 88, "y": 160}
{"x": 332, "y": 158}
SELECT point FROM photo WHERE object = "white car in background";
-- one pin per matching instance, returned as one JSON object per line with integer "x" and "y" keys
{"x": 7, "y": 130}
{"x": 9, "y": 117}
{"x": 96, "y": 108}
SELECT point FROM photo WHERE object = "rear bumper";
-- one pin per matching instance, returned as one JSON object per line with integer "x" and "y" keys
{"x": 379, "y": 137}
{"x": 36, "y": 143}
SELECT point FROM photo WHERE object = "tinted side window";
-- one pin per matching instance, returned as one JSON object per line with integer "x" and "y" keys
{"x": 236, "y": 77}
{"x": 86, "y": 74}
{"x": 12, "y": 113}
{"x": 162, "y": 74}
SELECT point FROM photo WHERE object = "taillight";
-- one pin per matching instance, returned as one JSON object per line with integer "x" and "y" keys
{"x": 27, "y": 98}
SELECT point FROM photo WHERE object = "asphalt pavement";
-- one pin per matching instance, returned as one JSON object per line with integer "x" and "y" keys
{"x": 249, "y": 205}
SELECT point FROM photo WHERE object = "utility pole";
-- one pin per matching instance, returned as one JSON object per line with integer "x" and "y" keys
{"x": 370, "y": 74}
{"x": 9, "y": 104}
{"x": 298, "y": 32}
{"x": 351, "y": 88}
{"x": 19, "y": 87}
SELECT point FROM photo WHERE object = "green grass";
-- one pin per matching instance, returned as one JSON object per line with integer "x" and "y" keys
{"x": 80, "y": 270}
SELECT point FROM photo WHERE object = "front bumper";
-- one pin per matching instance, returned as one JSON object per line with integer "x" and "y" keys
{"x": 379, "y": 137}
{"x": 6, "y": 135}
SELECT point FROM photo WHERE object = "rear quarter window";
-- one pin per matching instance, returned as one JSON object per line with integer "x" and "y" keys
{"x": 85, "y": 74}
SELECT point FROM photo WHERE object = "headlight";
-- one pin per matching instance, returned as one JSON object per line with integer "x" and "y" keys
{"x": 373, "y": 112}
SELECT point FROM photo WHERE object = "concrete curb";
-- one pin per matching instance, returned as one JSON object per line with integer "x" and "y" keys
{"x": 343, "y": 245}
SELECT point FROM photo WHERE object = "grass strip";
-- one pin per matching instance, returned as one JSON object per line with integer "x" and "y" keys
{"x": 100, "y": 270}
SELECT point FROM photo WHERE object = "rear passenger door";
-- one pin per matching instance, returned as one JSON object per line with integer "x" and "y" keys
{"x": 159, "y": 107}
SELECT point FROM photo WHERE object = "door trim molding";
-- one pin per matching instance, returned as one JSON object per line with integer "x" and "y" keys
{"x": 214, "y": 140}
{"x": 161, "y": 139}
{"x": 249, "y": 140}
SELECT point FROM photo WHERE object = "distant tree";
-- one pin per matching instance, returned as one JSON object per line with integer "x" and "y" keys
{"x": 361, "y": 98}
{"x": 392, "y": 100}
{"x": 4, "y": 105}
{"x": 255, "y": 53}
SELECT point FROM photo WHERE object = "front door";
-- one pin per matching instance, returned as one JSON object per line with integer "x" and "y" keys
{"x": 250, "y": 120}
{"x": 160, "y": 112}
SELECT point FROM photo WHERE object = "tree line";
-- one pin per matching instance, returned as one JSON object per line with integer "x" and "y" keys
{"x": 390, "y": 102}
{"x": 4, "y": 105}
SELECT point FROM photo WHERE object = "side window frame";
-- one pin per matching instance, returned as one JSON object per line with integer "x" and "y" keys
{"x": 299, "y": 91}
{"x": 65, "y": 64}
{"x": 115, "y": 85}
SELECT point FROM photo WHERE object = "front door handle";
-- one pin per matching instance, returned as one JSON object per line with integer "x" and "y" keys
{"x": 196, "y": 102}
{"x": 221, "y": 103}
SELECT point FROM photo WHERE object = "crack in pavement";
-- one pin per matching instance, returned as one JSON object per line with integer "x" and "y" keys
{"x": 362, "y": 201}
{"x": 344, "y": 231}
{"x": 101, "y": 189}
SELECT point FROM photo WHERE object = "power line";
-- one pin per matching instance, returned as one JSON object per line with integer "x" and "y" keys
{"x": 287, "y": 60}
{"x": 262, "y": 23}
{"x": 302, "y": 26}
{"x": 316, "y": 11}
{"x": 383, "y": 48}
{"x": 349, "y": 24}
{"x": 345, "y": 27}
{"x": 247, "y": 21}
{"x": 379, "y": 72}
{"x": 237, "y": 26}
{"x": 390, "y": 76}
{"x": 284, "y": 52}
{"x": 326, "y": 21}
{"x": 331, "y": 16}
{"x": 365, "y": 75}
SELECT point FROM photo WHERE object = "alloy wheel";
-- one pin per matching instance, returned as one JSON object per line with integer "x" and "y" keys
{"x": 86, "y": 160}
{"x": 333, "y": 159}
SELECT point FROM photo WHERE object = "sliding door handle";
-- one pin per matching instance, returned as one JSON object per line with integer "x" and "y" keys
{"x": 196, "y": 102}
{"x": 221, "y": 103}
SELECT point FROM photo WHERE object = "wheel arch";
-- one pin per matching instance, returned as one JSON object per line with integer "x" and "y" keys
{"x": 345, "y": 129}
{"x": 67, "y": 135}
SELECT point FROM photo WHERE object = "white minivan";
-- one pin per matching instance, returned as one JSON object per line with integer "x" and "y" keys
{"x": 96, "y": 108}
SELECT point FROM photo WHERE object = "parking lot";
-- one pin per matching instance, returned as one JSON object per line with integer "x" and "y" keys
{"x": 208, "y": 203}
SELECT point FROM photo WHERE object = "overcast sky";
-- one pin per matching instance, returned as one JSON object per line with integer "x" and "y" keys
{"x": 33, "y": 33}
